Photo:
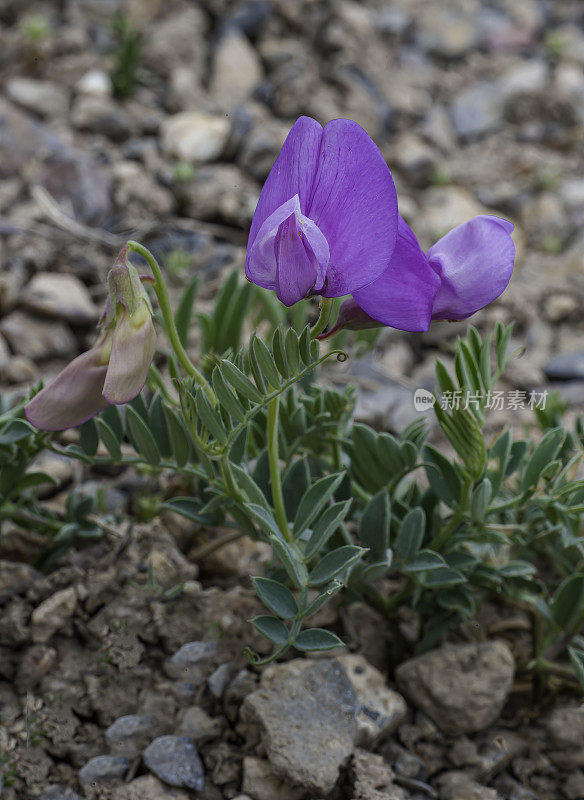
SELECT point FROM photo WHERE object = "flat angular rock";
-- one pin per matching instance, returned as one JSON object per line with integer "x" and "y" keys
{"x": 308, "y": 724}
{"x": 193, "y": 662}
{"x": 29, "y": 148}
{"x": 174, "y": 759}
{"x": 37, "y": 339}
{"x": 53, "y": 614}
{"x": 381, "y": 709}
{"x": 476, "y": 110}
{"x": 462, "y": 688}
{"x": 195, "y": 136}
{"x": 45, "y": 98}
{"x": 237, "y": 69}
{"x": 128, "y": 735}
{"x": 60, "y": 296}
{"x": 102, "y": 768}
{"x": 196, "y": 723}
{"x": 566, "y": 367}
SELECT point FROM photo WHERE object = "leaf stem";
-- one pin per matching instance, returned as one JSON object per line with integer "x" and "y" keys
{"x": 274, "y": 462}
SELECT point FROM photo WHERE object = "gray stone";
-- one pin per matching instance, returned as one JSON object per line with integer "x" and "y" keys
{"x": 456, "y": 785}
{"x": 60, "y": 793}
{"x": 373, "y": 778}
{"x": 195, "y": 136}
{"x": 461, "y": 687}
{"x": 308, "y": 724}
{"x": 147, "y": 787}
{"x": 381, "y": 709}
{"x": 220, "y": 190}
{"x": 134, "y": 185}
{"x": 237, "y": 69}
{"x": 62, "y": 296}
{"x": 261, "y": 783}
{"x": 4, "y": 356}
{"x": 415, "y": 159}
{"x": 20, "y": 369}
{"x": 44, "y": 98}
{"x": 53, "y": 614}
{"x": 403, "y": 762}
{"x": 103, "y": 768}
{"x": 220, "y": 678}
{"x": 446, "y": 207}
{"x": 565, "y": 727}
{"x": 101, "y": 115}
{"x": 560, "y": 307}
{"x": 192, "y": 662}
{"x": 393, "y": 19}
{"x": 196, "y": 723}
{"x": 37, "y": 339}
{"x": 476, "y": 110}
{"x": 12, "y": 279}
{"x": 523, "y": 90}
{"x": 178, "y": 39}
{"x": 16, "y": 578}
{"x": 174, "y": 759}
{"x": 382, "y": 401}
{"x": 511, "y": 789}
{"x": 446, "y": 32}
{"x": 76, "y": 182}
{"x": 260, "y": 147}
{"x": 128, "y": 735}
{"x": 573, "y": 786}
{"x": 437, "y": 128}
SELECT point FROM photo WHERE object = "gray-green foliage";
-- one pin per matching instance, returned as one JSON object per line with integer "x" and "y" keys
{"x": 499, "y": 518}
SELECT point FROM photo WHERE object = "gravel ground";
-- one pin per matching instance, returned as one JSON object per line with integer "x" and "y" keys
{"x": 111, "y": 688}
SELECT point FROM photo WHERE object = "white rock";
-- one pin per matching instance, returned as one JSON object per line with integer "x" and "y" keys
{"x": 528, "y": 77}
{"x": 96, "y": 83}
{"x": 237, "y": 69}
{"x": 45, "y": 98}
{"x": 195, "y": 136}
{"x": 61, "y": 296}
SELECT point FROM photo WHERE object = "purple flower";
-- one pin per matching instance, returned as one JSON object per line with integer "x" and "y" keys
{"x": 464, "y": 271}
{"x": 114, "y": 370}
{"x": 326, "y": 221}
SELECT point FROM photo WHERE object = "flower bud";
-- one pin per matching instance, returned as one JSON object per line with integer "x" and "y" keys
{"x": 115, "y": 369}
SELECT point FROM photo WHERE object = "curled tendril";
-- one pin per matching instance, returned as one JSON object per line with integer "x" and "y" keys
{"x": 341, "y": 356}
{"x": 251, "y": 656}
{"x": 256, "y": 661}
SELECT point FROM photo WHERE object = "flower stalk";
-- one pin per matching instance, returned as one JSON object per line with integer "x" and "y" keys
{"x": 161, "y": 291}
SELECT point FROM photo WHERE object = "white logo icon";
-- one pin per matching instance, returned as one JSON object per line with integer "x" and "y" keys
{"x": 423, "y": 400}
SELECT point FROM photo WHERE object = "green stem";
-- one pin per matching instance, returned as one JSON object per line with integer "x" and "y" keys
{"x": 274, "y": 462}
{"x": 156, "y": 379}
{"x": 168, "y": 317}
{"x": 444, "y": 535}
{"x": 326, "y": 307}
